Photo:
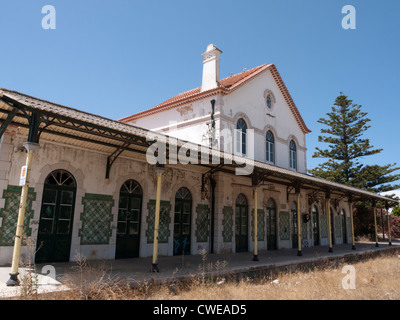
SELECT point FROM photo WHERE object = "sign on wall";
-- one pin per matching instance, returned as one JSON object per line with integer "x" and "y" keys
{"x": 22, "y": 178}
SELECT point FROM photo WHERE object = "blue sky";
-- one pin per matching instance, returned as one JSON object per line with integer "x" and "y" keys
{"x": 115, "y": 58}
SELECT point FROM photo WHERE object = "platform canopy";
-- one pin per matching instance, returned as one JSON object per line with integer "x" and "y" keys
{"x": 40, "y": 119}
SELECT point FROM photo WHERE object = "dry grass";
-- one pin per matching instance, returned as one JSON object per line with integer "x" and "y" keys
{"x": 377, "y": 278}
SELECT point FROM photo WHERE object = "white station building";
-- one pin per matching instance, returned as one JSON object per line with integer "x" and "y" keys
{"x": 93, "y": 190}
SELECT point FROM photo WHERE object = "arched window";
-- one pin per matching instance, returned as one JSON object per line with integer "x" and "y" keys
{"x": 241, "y": 128}
{"x": 269, "y": 99}
{"x": 293, "y": 155}
{"x": 269, "y": 102}
{"x": 60, "y": 178}
{"x": 270, "y": 147}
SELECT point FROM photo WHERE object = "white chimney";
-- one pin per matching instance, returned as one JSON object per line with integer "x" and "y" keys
{"x": 210, "y": 68}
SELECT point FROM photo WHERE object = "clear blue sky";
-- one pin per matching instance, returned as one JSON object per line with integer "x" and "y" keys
{"x": 115, "y": 58}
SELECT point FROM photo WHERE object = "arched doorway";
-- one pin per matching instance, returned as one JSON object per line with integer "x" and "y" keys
{"x": 241, "y": 220}
{"x": 344, "y": 229}
{"x": 182, "y": 221}
{"x": 295, "y": 238}
{"x": 56, "y": 218}
{"x": 271, "y": 225}
{"x": 315, "y": 224}
{"x": 129, "y": 218}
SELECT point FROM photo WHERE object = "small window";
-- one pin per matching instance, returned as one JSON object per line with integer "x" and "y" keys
{"x": 269, "y": 99}
{"x": 270, "y": 147}
{"x": 60, "y": 178}
{"x": 241, "y": 200}
{"x": 271, "y": 204}
{"x": 269, "y": 102}
{"x": 293, "y": 155}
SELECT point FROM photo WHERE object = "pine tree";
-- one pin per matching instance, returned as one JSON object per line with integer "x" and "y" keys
{"x": 345, "y": 126}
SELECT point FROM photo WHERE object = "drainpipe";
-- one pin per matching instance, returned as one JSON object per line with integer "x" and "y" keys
{"x": 213, "y": 184}
{"x": 154, "y": 265}
{"x": 13, "y": 281}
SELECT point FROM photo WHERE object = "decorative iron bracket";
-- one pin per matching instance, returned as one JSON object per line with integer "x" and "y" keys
{"x": 258, "y": 177}
{"x": 112, "y": 157}
{"x": 7, "y": 121}
{"x": 296, "y": 185}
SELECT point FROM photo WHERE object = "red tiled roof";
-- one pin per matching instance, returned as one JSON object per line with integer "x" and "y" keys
{"x": 228, "y": 85}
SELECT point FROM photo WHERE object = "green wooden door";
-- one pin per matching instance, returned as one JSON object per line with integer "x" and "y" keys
{"x": 241, "y": 222}
{"x": 56, "y": 218}
{"x": 129, "y": 219}
{"x": 182, "y": 222}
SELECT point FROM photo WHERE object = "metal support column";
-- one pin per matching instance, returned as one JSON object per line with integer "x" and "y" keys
{"x": 154, "y": 265}
{"x": 13, "y": 281}
{"x": 376, "y": 226}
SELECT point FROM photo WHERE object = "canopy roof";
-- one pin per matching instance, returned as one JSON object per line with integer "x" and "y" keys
{"x": 70, "y": 126}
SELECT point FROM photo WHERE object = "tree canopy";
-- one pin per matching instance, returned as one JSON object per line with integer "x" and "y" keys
{"x": 344, "y": 131}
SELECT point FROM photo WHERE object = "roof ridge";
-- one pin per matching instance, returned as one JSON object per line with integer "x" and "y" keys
{"x": 196, "y": 91}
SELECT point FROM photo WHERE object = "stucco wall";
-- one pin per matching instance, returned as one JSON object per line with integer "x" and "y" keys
{"x": 247, "y": 102}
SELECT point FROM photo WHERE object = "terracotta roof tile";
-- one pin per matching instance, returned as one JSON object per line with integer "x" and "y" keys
{"x": 227, "y": 85}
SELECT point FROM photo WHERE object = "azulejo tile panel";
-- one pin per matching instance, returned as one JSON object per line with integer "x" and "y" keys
{"x": 165, "y": 220}
{"x": 284, "y": 225}
{"x": 9, "y": 214}
{"x": 227, "y": 224}
{"x": 202, "y": 223}
{"x": 260, "y": 224}
{"x": 96, "y": 219}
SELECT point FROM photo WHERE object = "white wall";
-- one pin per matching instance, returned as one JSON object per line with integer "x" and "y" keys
{"x": 246, "y": 102}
